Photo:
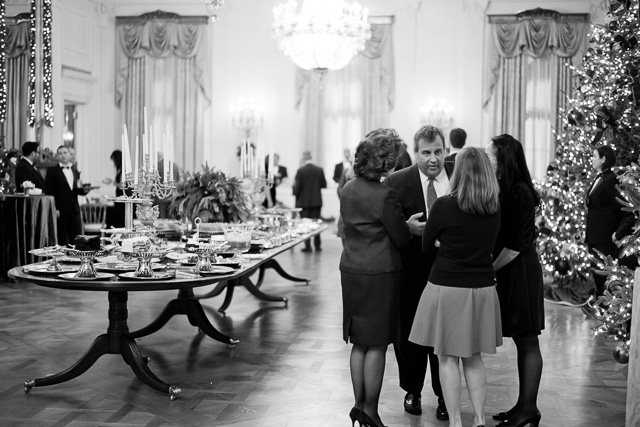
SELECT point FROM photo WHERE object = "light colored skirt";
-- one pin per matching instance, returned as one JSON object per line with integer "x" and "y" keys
{"x": 458, "y": 321}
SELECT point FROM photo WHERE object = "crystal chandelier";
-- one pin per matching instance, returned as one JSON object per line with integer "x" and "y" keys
{"x": 213, "y": 6}
{"x": 326, "y": 34}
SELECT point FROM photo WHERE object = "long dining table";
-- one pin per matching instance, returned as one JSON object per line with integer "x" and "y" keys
{"x": 119, "y": 340}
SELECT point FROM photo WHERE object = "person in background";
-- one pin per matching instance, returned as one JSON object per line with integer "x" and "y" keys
{"x": 344, "y": 164}
{"x": 115, "y": 213}
{"x": 26, "y": 167}
{"x": 418, "y": 187}
{"x": 404, "y": 159}
{"x": 604, "y": 213}
{"x": 457, "y": 139}
{"x": 518, "y": 274}
{"x": 347, "y": 175}
{"x": 374, "y": 231}
{"x": 307, "y": 188}
{"x": 459, "y": 312}
{"x": 279, "y": 175}
{"x": 63, "y": 183}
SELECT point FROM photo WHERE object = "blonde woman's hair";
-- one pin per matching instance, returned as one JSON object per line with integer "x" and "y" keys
{"x": 475, "y": 183}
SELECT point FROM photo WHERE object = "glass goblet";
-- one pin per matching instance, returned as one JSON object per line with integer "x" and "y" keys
{"x": 238, "y": 237}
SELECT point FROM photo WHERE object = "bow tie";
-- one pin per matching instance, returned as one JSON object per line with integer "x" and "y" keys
{"x": 66, "y": 167}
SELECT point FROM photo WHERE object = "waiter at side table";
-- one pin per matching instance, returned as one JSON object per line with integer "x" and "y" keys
{"x": 26, "y": 168}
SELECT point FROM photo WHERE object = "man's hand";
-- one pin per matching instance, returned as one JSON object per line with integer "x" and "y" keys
{"x": 57, "y": 213}
{"x": 415, "y": 226}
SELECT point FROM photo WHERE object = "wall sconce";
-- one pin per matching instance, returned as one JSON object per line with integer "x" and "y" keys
{"x": 437, "y": 113}
{"x": 247, "y": 116}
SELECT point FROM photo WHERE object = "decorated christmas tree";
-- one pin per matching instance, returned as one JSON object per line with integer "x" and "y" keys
{"x": 604, "y": 111}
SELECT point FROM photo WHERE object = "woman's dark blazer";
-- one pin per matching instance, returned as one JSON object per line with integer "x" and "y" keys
{"x": 604, "y": 213}
{"x": 374, "y": 228}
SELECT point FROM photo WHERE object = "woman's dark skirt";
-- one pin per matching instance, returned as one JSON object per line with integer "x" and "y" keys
{"x": 370, "y": 308}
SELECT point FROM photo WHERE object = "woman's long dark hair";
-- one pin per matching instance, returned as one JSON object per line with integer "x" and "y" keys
{"x": 512, "y": 166}
{"x": 116, "y": 156}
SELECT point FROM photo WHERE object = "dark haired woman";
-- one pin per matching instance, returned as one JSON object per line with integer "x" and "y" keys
{"x": 115, "y": 213}
{"x": 518, "y": 275}
{"x": 374, "y": 230}
{"x": 604, "y": 212}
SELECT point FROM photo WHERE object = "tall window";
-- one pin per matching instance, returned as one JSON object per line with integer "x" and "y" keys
{"x": 527, "y": 78}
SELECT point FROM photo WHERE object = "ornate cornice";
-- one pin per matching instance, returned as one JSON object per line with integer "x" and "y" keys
{"x": 19, "y": 18}
{"x": 161, "y": 15}
{"x": 539, "y": 13}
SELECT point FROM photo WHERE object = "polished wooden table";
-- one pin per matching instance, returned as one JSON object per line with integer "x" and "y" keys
{"x": 118, "y": 339}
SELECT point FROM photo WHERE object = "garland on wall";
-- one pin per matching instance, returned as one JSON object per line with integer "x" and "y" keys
{"x": 3, "y": 62}
{"x": 32, "y": 64}
{"x": 46, "y": 64}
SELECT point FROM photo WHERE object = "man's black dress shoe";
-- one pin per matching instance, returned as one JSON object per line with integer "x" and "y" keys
{"x": 412, "y": 404}
{"x": 306, "y": 250}
{"x": 441, "y": 410}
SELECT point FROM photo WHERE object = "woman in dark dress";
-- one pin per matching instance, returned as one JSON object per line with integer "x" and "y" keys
{"x": 374, "y": 230}
{"x": 604, "y": 212}
{"x": 518, "y": 274}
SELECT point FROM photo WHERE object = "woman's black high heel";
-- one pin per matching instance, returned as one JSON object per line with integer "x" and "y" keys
{"x": 364, "y": 420}
{"x": 353, "y": 414}
{"x": 533, "y": 420}
{"x": 504, "y": 416}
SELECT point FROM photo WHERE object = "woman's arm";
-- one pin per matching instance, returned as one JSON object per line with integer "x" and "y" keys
{"x": 504, "y": 258}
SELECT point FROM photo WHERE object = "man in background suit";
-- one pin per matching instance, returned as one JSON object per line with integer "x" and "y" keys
{"x": 344, "y": 164}
{"x": 457, "y": 139}
{"x": 63, "y": 183}
{"x": 26, "y": 168}
{"x": 417, "y": 187}
{"x": 307, "y": 188}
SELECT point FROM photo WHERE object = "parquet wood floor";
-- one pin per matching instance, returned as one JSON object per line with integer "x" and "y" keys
{"x": 290, "y": 368}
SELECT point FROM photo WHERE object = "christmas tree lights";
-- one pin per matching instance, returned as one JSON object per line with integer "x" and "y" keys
{"x": 3, "y": 63}
{"x": 605, "y": 110}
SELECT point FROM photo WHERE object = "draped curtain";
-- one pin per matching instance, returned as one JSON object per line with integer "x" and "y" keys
{"x": 15, "y": 127}
{"x": 528, "y": 78}
{"x": 342, "y": 106}
{"x": 162, "y": 63}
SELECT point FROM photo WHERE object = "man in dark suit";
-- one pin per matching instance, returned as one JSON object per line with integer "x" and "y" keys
{"x": 63, "y": 183}
{"x": 26, "y": 167}
{"x": 344, "y": 164}
{"x": 307, "y": 188}
{"x": 457, "y": 139}
{"x": 417, "y": 187}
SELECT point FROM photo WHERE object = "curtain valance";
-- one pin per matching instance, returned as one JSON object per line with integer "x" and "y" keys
{"x": 17, "y": 42}
{"x": 533, "y": 33}
{"x": 159, "y": 35}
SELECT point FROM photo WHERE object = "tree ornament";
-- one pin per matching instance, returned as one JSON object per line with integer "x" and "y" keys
{"x": 621, "y": 354}
{"x": 562, "y": 266}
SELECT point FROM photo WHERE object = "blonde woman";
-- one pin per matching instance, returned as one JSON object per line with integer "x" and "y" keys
{"x": 459, "y": 312}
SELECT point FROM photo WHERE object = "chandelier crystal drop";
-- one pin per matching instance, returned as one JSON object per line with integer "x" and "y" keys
{"x": 326, "y": 34}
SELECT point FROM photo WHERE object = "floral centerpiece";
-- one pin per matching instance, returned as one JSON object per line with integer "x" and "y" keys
{"x": 212, "y": 196}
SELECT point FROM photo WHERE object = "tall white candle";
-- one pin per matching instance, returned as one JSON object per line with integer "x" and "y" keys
{"x": 271, "y": 162}
{"x": 165, "y": 159}
{"x": 127, "y": 155}
{"x": 137, "y": 165}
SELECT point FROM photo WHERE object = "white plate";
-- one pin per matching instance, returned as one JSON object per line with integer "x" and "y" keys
{"x": 156, "y": 276}
{"x": 72, "y": 276}
{"x": 177, "y": 256}
{"x": 217, "y": 270}
{"x": 41, "y": 270}
{"x": 121, "y": 267}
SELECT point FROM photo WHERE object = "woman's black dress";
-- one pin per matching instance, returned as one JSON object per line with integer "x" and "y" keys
{"x": 519, "y": 283}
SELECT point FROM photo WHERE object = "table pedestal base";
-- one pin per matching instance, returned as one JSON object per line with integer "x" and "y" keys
{"x": 272, "y": 263}
{"x": 186, "y": 304}
{"x": 117, "y": 340}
